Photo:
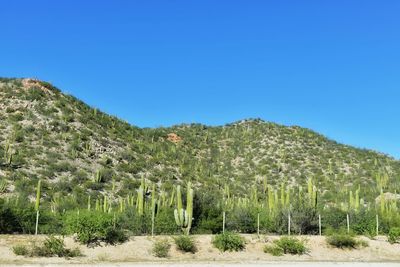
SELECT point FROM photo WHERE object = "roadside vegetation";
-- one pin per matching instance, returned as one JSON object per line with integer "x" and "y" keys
{"x": 50, "y": 247}
{"x": 67, "y": 168}
{"x": 229, "y": 241}
{"x": 286, "y": 245}
{"x": 161, "y": 248}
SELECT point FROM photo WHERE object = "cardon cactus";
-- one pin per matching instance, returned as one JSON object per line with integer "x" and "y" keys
{"x": 184, "y": 217}
{"x": 140, "y": 201}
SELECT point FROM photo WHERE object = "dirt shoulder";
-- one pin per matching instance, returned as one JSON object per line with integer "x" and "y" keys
{"x": 138, "y": 250}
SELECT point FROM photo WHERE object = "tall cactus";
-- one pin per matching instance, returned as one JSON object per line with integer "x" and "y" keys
{"x": 184, "y": 217}
{"x": 8, "y": 154}
{"x": 98, "y": 177}
{"x": 312, "y": 193}
{"x": 153, "y": 208}
{"x": 140, "y": 201}
{"x": 271, "y": 200}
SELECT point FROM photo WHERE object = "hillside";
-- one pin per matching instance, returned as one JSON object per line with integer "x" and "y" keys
{"x": 78, "y": 150}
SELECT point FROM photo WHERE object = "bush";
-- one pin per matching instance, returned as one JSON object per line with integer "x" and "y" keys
{"x": 394, "y": 235}
{"x": 91, "y": 227}
{"x": 342, "y": 241}
{"x": 290, "y": 245}
{"x": 363, "y": 223}
{"x": 161, "y": 248}
{"x": 304, "y": 219}
{"x": 335, "y": 218}
{"x": 185, "y": 243}
{"x": 20, "y": 250}
{"x": 274, "y": 250}
{"x": 243, "y": 220}
{"x": 51, "y": 247}
{"x": 229, "y": 242}
{"x": 8, "y": 220}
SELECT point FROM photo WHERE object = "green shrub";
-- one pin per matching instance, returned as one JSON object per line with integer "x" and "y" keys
{"x": 342, "y": 241}
{"x": 161, "y": 248}
{"x": 291, "y": 245}
{"x": 51, "y": 247}
{"x": 185, "y": 243}
{"x": 20, "y": 250}
{"x": 304, "y": 219}
{"x": 273, "y": 250}
{"x": 243, "y": 220}
{"x": 363, "y": 222}
{"x": 115, "y": 236}
{"x": 394, "y": 235}
{"x": 229, "y": 242}
{"x": 91, "y": 227}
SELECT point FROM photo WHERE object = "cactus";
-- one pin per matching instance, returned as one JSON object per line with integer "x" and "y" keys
{"x": 300, "y": 194}
{"x": 106, "y": 205}
{"x": 357, "y": 200}
{"x": 270, "y": 199}
{"x": 153, "y": 208}
{"x": 98, "y": 177}
{"x": 184, "y": 217}
{"x": 8, "y": 154}
{"x": 287, "y": 201}
{"x": 121, "y": 204}
{"x": 140, "y": 201}
{"x": 310, "y": 189}
{"x": 254, "y": 197}
{"x": 265, "y": 185}
{"x": 113, "y": 184}
{"x": 3, "y": 186}
{"x": 282, "y": 195}
{"x": 312, "y": 193}
{"x": 382, "y": 202}
{"x": 351, "y": 201}
{"x": 97, "y": 207}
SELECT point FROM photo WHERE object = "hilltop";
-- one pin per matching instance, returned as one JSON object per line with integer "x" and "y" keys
{"x": 78, "y": 150}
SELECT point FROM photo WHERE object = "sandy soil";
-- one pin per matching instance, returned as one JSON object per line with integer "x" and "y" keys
{"x": 138, "y": 249}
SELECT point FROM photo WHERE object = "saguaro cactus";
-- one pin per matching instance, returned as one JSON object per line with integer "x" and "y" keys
{"x": 153, "y": 208}
{"x": 140, "y": 199}
{"x": 312, "y": 193}
{"x": 8, "y": 154}
{"x": 184, "y": 217}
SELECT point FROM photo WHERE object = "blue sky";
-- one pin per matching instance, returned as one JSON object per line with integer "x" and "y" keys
{"x": 332, "y": 66}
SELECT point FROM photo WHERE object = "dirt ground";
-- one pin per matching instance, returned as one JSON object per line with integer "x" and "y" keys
{"x": 138, "y": 249}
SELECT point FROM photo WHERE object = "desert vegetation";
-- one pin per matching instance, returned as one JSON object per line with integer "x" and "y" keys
{"x": 286, "y": 245}
{"x": 51, "y": 247}
{"x": 67, "y": 168}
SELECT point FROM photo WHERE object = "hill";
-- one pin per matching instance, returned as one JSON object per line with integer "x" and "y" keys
{"x": 77, "y": 151}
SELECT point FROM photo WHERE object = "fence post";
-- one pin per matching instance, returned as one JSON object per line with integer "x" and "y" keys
{"x": 223, "y": 222}
{"x": 319, "y": 223}
{"x": 377, "y": 225}
{"x": 348, "y": 223}
{"x": 258, "y": 225}
{"x": 289, "y": 223}
{"x": 37, "y": 222}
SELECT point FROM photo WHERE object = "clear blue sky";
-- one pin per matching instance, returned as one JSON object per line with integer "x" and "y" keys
{"x": 333, "y": 66}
